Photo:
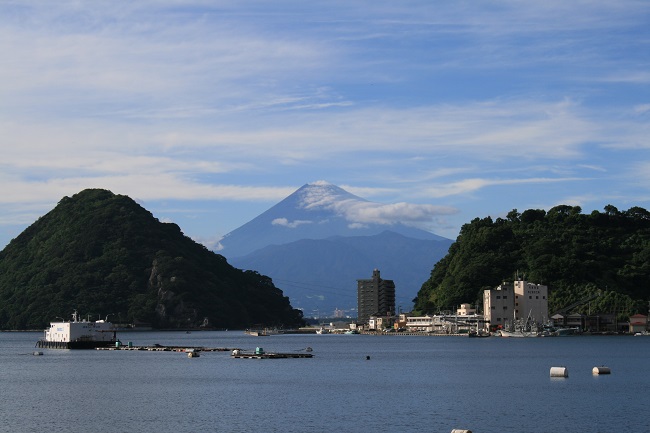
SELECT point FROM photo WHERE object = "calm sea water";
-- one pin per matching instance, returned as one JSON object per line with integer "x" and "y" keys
{"x": 410, "y": 384}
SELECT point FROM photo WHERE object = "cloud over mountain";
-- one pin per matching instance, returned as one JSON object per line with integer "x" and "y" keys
{"x": 320, "y": 239}
{"x": 319, "y": 210}
{"x": 321, "y": 195}
{"x": 286, "y": 223}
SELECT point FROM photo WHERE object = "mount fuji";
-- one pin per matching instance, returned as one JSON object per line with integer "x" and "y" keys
{"x": 318, "y": 241}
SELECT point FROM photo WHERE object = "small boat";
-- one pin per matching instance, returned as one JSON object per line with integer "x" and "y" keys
{"x": 263, "y": 332}
{"x": 479, "y": 334}
{"x": 518, "y": 334}
{"x": 563, "y": 332}
{"x": 193, "y": 353}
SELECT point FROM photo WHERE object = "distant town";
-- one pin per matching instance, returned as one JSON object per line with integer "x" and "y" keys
{"x": 512, "y": 309}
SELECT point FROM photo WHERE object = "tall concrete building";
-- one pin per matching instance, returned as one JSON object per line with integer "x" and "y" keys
{"x": 375, "y": 297}
{"x": 514, "y": 301}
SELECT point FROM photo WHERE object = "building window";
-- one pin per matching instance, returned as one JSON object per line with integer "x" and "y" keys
{"x": 498, "y": 297}
{"x": 505, "y": 297}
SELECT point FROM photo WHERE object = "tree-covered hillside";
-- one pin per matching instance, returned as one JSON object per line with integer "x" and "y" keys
{"x": 103, "y": 254}
{"x": 573, "y": 253}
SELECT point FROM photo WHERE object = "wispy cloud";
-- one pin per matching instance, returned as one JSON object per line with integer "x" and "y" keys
{"x": 289, "y": 224}
{"x": 472, "y": 185}
{"x": 214, "y": 101}
{"x": 359, "y": 211}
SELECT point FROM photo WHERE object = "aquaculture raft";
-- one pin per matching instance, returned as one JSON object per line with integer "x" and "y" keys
{"x": 161, "y": 348}
{"x": 261, "y": 354}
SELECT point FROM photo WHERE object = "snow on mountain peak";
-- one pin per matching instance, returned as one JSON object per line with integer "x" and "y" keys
{"x": 320, "y": 210}
{"x": 322, "y": 195}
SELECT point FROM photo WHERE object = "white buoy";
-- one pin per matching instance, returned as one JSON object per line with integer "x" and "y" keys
{"x": 38, "y": 353}
{"x": 456, "y": 430}
{"x": 601, "y": 370}
{"x": 559, "y": 372}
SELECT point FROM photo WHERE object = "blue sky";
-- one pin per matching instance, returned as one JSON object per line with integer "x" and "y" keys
{"x": 210, "y": 112}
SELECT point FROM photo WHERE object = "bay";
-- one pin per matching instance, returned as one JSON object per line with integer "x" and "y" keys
{"x": 408, "y": 384}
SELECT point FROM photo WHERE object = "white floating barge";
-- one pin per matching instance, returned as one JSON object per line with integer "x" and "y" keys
{"x": 78, "y": 334}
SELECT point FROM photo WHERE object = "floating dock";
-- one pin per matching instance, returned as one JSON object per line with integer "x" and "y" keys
{"x": 161, "y": 348}
{"x": 261, "y": 354}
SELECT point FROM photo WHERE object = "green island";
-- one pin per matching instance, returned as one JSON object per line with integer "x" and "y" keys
{"x": 576, "y": 255}
{"x": 105, "y": 255}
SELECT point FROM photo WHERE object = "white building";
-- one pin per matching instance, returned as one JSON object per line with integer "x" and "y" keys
{"x": 531, "y": 300}
{"x": 514, "y": 301}
{"x": 466, "y": 310}
{"x": 446, "y": 323}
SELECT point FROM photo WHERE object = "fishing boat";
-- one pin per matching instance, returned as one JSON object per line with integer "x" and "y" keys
{"x": 518, "y": 333}
{"x": 564, "y": 332}
{"x": 479, "y": 332}
{"x": 78, "y": 334}
{"x": 521, "y": 329}
{"x": 263, "y": 332}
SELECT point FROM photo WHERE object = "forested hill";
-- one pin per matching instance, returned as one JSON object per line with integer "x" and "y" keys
{"x": 572, "y": 253}
{"x": 101, "y": 254}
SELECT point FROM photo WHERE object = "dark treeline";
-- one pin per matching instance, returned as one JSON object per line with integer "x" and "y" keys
{"x": 103, "y": 254}
{"x": 572, "y": 253}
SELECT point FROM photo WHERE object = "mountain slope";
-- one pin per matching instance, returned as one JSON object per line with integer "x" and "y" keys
{"x": 575, "y": 254}
{"x": 317, "y": 210}
{"x": 103, "y": 254}
{"x": 320, "y": 275}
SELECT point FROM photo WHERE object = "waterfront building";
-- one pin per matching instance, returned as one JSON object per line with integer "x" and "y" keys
{"x": 638, "y": 323}
{"x": 466, "y": 310}
{"x": 518, "y": 300}
{"x": 400, "y": 322}
{"x": 377, "y": 323}
{"x": 445, "y": 323}
{"x": 601, "y": 322}
{"x": 423, "y": 323}
{"x": 499, "y": 303}
{"x": 375, "y": 297}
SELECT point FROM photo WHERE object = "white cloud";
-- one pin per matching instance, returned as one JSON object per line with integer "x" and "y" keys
{"x": 406, "y": 213}
{"x": 143, "y": 187}
{"x": 642, "y": 108}
{"x": 360, "y": 212}
{"x": 466, "y": 186}
{"x": 289, "y": 224}
{"x": 216, "y": 101}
